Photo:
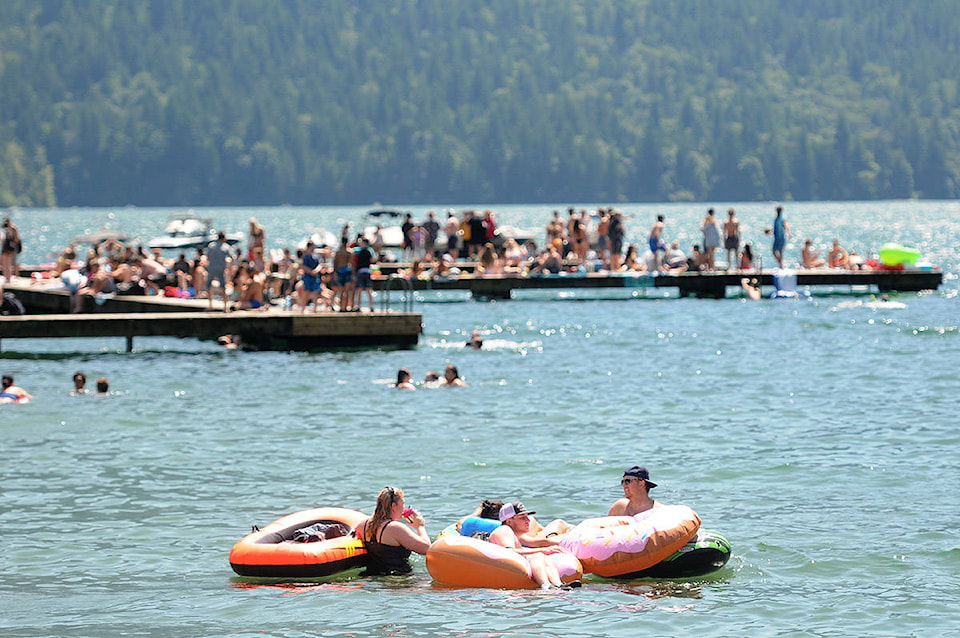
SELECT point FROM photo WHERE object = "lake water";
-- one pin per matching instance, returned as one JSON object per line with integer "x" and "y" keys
{"x": 819, "y": 437}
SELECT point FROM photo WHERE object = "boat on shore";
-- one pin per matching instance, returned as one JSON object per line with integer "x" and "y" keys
{"x": 186, "y": 230}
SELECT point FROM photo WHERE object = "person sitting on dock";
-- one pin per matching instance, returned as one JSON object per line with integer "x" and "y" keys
{"x": 251, "y": 292}
{"x": 636, "y": 485}
{"x": 98, "y": 281}
{"x": 809, "y": 256}
{"x": 674, "y": 258}
{"x": 490, "y": 262}
{"x": 548, "y": 263}
{"x": 746, "y": 258}
{"x": 838, "y": 257}
{"x": 631, "y": 262}
{"x": 10, "y": 393}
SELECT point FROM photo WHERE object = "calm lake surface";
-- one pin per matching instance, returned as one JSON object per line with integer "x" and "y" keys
{"x": 820, "y": 437}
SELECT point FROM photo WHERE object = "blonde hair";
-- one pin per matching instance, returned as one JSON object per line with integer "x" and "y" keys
{"x": 385, "y": 500}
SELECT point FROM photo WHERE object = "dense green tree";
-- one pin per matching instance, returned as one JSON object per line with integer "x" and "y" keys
{"x": 177, "y": 102}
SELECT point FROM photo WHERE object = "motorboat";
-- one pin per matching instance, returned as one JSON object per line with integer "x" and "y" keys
{"x": 387, "y": 222}
{"x": 189, "y": 231}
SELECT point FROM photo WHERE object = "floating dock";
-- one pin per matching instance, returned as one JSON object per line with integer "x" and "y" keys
{"x": 709, "y": 285}
{"x": 130, "y": 317}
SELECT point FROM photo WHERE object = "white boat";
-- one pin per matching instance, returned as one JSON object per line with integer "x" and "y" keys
{"x": 189, "y": 231}
{"x": 389, "y": 222}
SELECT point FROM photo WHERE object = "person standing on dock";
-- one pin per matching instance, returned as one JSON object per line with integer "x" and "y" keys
{"x": 257, "y": 238}
{"x": 781, "y": 230}
{"x": 655, "y": 241}
{"x": 343, "y": 277}
{"x": 431, "y": 229}
{"x": 615, "y": 233}
{"x": 310, "y": 276}
{"x": 218, "y": 258}
{"x": 364, "y": 258}
{"x": 731, "y": 239}
{"x": 11, "y": 247}
{"x": 711, "y": 238}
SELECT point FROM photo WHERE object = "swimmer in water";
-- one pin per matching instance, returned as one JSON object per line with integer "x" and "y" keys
{"x": 403, "y": 380}
{"x": 451, "y": 377}
{"x": 9, "y": 393}
{"x": 476, "y": 340}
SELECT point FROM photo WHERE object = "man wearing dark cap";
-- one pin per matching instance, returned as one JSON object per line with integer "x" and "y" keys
{"x": 636, "y": 485}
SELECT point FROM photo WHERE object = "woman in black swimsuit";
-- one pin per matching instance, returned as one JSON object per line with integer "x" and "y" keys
{"x": 387, "y": 539}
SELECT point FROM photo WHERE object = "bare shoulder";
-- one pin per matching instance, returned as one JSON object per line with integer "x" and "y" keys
{"x": 619, "y": 508}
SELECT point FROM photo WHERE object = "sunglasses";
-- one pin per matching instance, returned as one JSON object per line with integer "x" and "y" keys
{"x": 627, "y": 481}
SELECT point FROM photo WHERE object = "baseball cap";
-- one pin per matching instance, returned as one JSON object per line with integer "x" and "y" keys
{"x": 510, "y": 510}
{"x": 641, "y": 473}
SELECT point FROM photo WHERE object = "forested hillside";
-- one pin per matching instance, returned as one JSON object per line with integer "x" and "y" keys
{"x": 248, "y": 102}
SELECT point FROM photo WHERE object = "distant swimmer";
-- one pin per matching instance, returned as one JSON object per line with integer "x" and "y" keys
{"x": 476, "y": 340}
{"x": 403, "y": 380}
{"x": 103, "y": 386}
{"x": 636, "y": 485}
{"x": 752, "y": 286}
{"x": 451, "y": 377}
{"x": 79, "y": 383}
{"x": 9, "y": 393}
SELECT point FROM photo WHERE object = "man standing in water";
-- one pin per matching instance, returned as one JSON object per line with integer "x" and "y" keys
{"x": 781, "y": 230}
{"x": 636, "y": 485}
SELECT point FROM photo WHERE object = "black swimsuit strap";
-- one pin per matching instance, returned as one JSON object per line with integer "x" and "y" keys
{"x": 380, "y": 532}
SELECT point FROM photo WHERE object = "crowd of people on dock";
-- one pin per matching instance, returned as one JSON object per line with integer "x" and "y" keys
{"x": 340, "y": 277}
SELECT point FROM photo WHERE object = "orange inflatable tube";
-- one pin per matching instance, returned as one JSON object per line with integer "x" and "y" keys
{"x": 269, "y": 552}
{"x": 462, "y": 561}
{"x": 616, "y": 545}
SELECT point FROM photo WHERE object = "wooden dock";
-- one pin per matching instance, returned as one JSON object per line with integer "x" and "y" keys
{"x": 130, "y": 317}
{"x": 710, "y": 285}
